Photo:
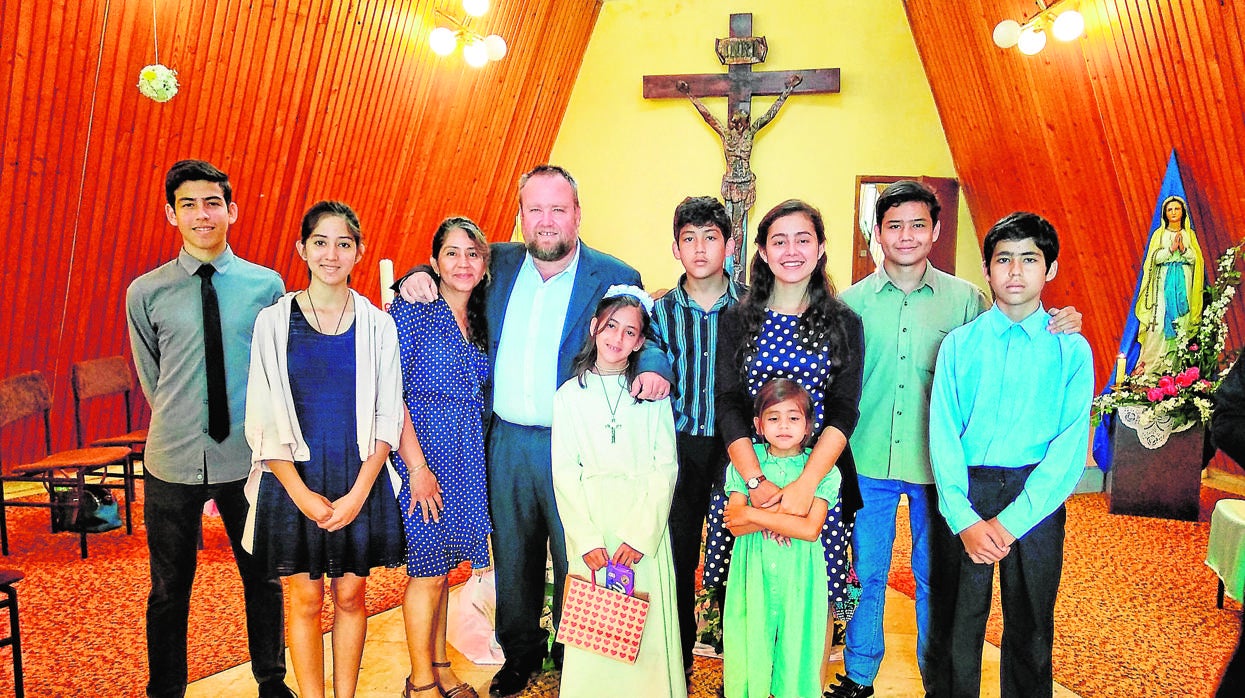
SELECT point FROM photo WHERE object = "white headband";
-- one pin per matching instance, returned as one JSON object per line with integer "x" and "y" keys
{"x": 634, "y": 291}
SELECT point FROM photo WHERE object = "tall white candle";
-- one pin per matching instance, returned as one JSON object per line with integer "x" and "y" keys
{"x": 1119, "y": 367}
{"x": 386, "y": 280}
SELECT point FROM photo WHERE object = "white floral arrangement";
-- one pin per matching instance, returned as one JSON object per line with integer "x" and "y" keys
{"x": 158, "y": 82}
{"x": 1178, "y": 390}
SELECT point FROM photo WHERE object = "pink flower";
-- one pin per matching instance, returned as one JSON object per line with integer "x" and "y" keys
{"x": 1194, "y": 372}
{"x": 1167, "y": 385}
{"x": 1186, "y": 378}
{"x": 1193, "y": 347}
{"x": 1154, "y": 394}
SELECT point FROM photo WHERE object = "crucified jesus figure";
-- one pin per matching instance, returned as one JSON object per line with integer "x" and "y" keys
{"x": 739, "y": 183}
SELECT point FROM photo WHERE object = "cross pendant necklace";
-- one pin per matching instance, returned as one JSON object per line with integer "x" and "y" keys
{"x": 613, "y": 424}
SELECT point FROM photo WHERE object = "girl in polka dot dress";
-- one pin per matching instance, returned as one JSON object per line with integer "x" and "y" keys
{"x": 791, "y": 325}
{"x": 441, "y": 457}
{"x": 774, "y": 624}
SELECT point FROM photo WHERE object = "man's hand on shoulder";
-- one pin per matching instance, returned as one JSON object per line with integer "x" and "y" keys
{"x": 650, "y": 386}
{"x": 418, "y": 287}
{"x": 1064, "y": 321}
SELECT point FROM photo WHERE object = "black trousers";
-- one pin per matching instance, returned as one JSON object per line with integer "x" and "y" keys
{"x": 702, "y": 463}
{"x": 173, "y": 514}
{"x": 526, "y": 531}
{"x": 1029, "y": 581}
{"x": 1233, "y": 681}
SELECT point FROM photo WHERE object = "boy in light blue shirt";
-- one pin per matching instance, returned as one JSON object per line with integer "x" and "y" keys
{"x": 1009, "y": 435}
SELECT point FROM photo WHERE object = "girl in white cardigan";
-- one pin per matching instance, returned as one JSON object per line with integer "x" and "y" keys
{"x": 323, "y": 411}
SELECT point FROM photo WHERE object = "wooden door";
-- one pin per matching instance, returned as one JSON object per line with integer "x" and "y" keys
{"x": 943, "y": 253}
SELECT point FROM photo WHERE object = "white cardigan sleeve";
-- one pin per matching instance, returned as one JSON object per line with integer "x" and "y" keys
{"x": 271, "y": 425}
{"x": 378, "y": 380}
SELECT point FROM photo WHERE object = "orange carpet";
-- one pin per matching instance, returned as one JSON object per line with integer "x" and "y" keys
{"x": 82, "y": 620}
{"x": 1136, "y": 614}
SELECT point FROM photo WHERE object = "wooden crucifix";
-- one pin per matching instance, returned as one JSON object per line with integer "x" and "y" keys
{"x": 739, "y": 84}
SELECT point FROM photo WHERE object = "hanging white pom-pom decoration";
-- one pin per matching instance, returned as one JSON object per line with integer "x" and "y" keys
{"x": 158, "y": 82}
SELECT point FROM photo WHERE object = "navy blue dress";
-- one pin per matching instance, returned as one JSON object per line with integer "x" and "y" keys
{"x": 443, "y": 378}
{"x": 322, "y": 380}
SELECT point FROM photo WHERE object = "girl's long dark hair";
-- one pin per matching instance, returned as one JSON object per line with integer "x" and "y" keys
{"x": 587, "y": 356}
{"x": 477, "y": 321}
{"x": 822, "y": 324}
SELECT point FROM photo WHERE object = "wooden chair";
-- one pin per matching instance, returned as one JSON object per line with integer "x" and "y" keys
{"x": 27, "y": 395}
{"x": 105, "y": 377}
{"x": 7, "y": 579}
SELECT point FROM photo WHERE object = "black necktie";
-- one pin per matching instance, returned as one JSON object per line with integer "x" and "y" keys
{"x": 214, "y": 352}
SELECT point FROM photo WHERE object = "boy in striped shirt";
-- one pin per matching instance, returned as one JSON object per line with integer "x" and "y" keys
{"x": 686, "y": 323}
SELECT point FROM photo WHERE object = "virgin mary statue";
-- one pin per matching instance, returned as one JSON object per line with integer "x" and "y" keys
{"x": 1172, "y": 279}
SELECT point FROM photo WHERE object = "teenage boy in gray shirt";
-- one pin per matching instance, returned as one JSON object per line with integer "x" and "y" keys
{"x": 196, "y": 449}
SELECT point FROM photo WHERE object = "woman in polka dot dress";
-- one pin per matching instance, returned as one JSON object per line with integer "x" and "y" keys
{"x": 441, "y": 456}
{"x": 791, "y": 325}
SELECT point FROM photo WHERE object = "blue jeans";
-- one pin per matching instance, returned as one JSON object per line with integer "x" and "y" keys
{"x": 871, "y": 547}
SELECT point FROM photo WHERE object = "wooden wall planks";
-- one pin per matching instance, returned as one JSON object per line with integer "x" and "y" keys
{"x": 1081, "y": 132}
{"x": 297, "y": 100}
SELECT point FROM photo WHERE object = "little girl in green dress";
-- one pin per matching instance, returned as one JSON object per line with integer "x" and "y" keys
{"x": 774, "y": 622}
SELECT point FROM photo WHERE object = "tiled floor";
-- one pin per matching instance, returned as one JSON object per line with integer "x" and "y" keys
{"x": 385, "y": 663}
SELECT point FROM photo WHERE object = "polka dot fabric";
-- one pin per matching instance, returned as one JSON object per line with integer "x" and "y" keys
{"x": 443, "y": 378}
{"x": 718, "y": 543}
{"x": 779, "y": 355}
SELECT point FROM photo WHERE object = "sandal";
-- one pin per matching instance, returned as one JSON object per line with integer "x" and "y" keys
{"x": 462, "y": 690}
{"x": 409, "y": 691}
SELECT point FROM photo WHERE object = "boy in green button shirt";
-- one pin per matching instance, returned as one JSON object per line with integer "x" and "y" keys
{"x": 907, "y": 307}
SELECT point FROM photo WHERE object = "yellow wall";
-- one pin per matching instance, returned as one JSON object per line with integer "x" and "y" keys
{"x": 635, "y": 159}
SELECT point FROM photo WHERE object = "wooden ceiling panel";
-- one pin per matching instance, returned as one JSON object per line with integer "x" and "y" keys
{"x": 297, "y": 100}
{"x": 1081, "y": 132}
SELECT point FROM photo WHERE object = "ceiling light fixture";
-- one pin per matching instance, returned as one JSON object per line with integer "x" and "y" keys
{"x": 477, "y": 50}
{"x": 1030, "y": 37}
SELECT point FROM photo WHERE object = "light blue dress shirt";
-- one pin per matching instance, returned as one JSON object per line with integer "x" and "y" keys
{"x": 1009, "y": 395}
{"x": 164, "y": 311}
{"x": 528, "y": 347}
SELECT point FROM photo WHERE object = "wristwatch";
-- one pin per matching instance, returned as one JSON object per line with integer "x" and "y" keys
{"x": 754, "y": 482}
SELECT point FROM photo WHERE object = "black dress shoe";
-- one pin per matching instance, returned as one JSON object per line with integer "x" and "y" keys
{"x": 275, "y": 688}
{"x": 846, "y": 688}
{"x": 510, "y": 680}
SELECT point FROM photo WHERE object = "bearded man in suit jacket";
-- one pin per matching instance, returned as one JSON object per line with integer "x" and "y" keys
{"x": 541, "y": 297}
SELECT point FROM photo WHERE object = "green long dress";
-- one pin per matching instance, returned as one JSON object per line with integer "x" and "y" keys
{"x": 774, "y": 623}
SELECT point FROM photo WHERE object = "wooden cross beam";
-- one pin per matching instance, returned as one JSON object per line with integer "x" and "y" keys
{"x": 738, "y": 130}
{"x": 740, "y": 83}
